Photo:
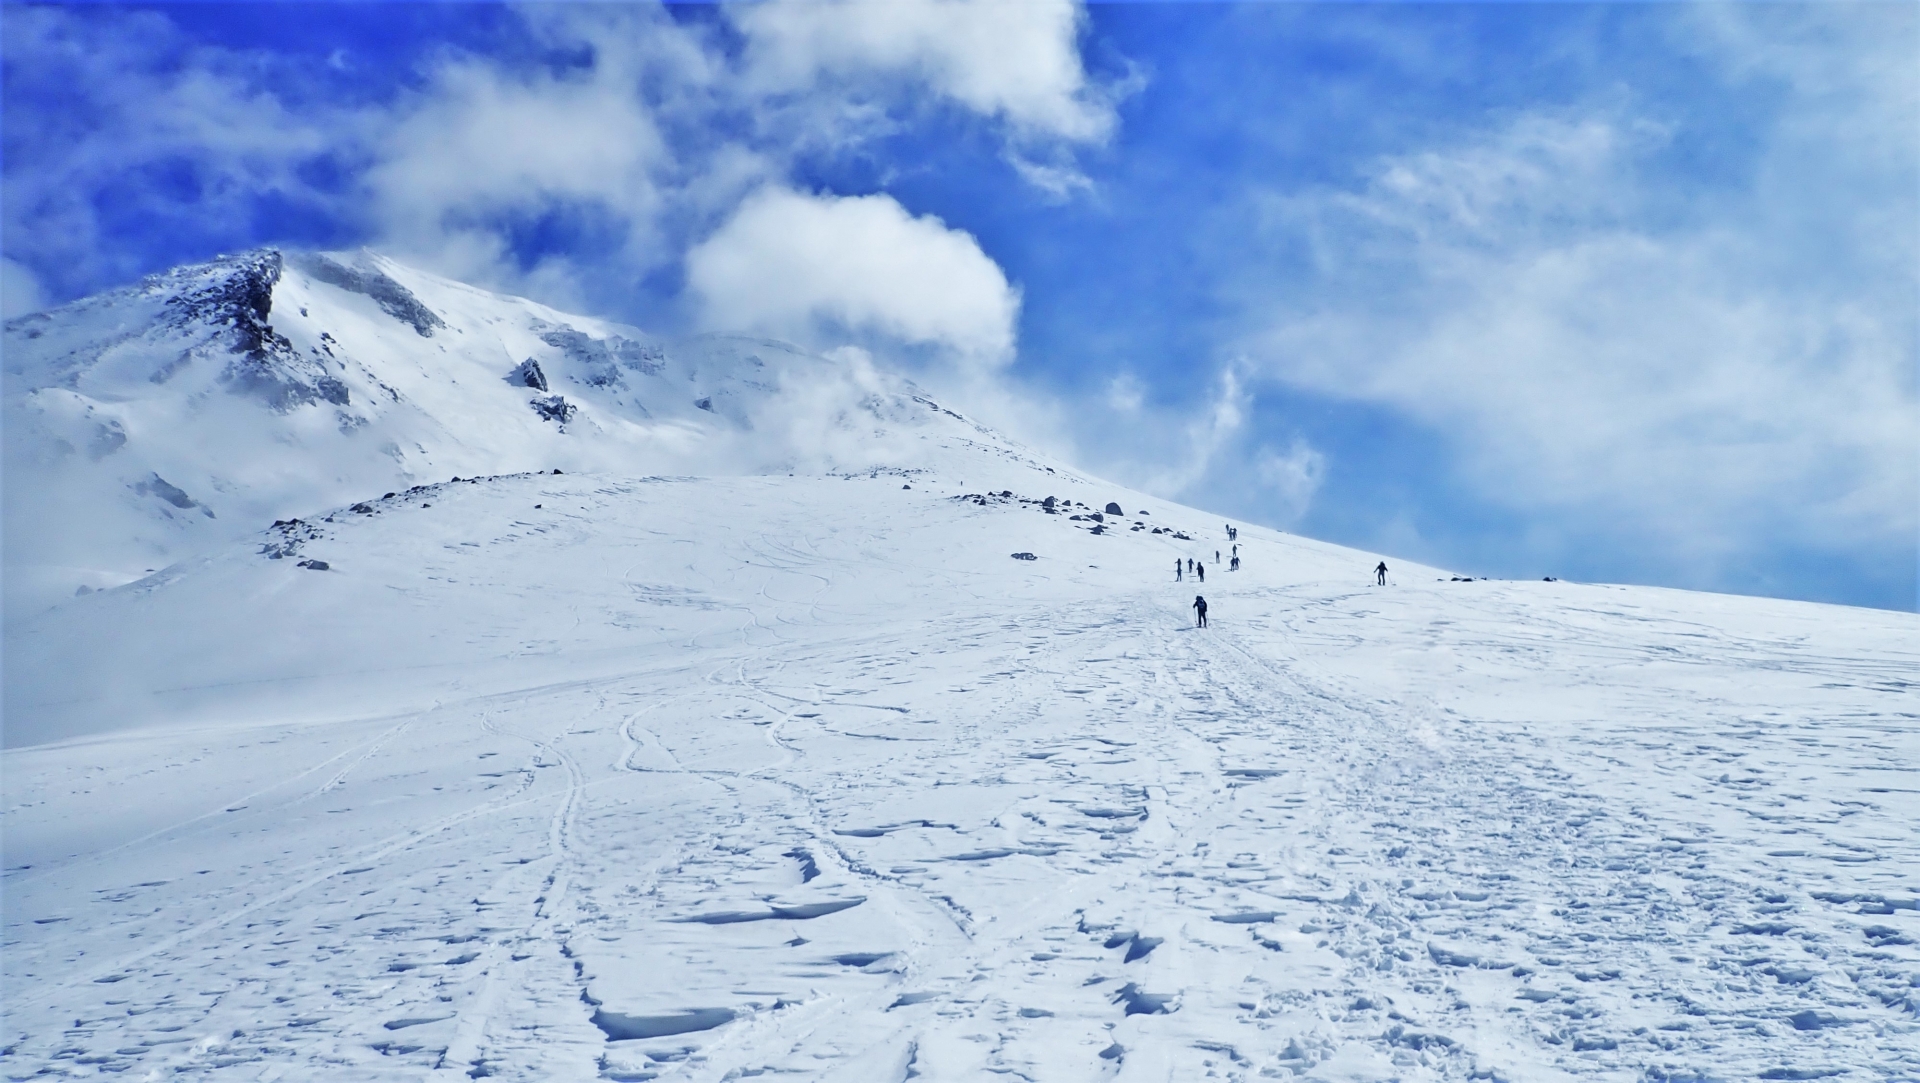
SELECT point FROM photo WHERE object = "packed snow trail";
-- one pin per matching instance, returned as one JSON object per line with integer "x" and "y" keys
{"x": 701, "y": 779}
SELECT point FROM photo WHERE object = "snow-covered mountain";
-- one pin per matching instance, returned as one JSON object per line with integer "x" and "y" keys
{"x": 149, "y": 423}
{"x": 910, "y": 766}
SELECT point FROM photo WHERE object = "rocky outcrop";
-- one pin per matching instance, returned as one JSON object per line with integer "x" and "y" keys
{"x": 364, "y": 278}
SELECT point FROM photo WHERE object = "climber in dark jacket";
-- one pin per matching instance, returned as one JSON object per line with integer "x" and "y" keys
{"x": 1200, "y": 610}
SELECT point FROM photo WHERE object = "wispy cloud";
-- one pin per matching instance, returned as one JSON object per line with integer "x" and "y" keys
{"x": 1599, "y": 347}
{"x": 611, "y": 142}
{"x": 115, "y": 118}
{"x": 1203, "y": 446}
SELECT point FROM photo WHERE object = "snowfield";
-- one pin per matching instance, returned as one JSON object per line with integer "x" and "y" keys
{"x": 586, "y": 777}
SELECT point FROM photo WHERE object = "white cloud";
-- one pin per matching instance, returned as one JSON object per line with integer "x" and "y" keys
{"x": 1293, "y": 476}
{"x": 1125, "y": 394}
{"x": 1173, "y": 450}
{"x": 490, "y": 149}
{"x": 1060, "y": 180}
{"x": 1019, "y": 62}
{"x": 1686, "y": 385}
{"x": 818, "y": 269}
{"x": 143, "y": 115}
{"x": 618, "y": 134}
{"x": 20, "y": 291}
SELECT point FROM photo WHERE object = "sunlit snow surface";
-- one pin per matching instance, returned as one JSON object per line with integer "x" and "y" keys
{"x": 806, "y": 778}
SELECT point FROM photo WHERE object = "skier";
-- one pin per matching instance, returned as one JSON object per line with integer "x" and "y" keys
{"x": 1189, "y": 564}
{"x": 1176, "y": 569}
{"x": 1200, "y": 610}
{"x": 1380, "y": 574}
{"x": 1236, "y": 562}
{"x": 1201, "y": 571}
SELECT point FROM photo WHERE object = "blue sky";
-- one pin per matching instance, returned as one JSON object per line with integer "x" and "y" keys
{"x": 1623, "y": 292}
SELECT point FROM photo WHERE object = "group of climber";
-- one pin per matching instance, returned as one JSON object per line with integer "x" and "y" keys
{"x": 1199, "y": 571}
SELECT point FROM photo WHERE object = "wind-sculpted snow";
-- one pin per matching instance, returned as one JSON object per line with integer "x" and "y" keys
{"x": 583, "y": 777}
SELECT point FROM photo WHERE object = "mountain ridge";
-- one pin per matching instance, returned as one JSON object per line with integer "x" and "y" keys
{"x": 149, "y": 422}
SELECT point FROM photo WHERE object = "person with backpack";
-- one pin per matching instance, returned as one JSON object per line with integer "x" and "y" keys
{"x": 1176, "y": 569}
{"x": 1380, "y": 574}
{"x": 1201, "y": 571}
{"x": 1200, "y": 610}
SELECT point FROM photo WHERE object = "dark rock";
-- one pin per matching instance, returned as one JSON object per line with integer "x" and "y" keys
{"x": 156, "y": 485}
{"x": 527, "y": 374}
{"x": 1114, "y": 509}
{"x": 363, "y": 508}
{"x": 554, "y": 408}
{"x": 600, "y": 360}
{"x": 1096, "y": 517}
{"x": 1025, "y": 556}
{"x": 238, "y": 297}
{"x": 1048, "y": 503}
{"x": 224, "y": 306}
{"x": 314, "y": 565}
{"x": 393, "y": 298}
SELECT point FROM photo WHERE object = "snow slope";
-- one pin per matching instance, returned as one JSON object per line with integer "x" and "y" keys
{"x": 595, "y": 776}
{"x": 148, "y": 424}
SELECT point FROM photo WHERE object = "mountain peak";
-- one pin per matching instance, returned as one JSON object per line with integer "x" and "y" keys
{"x": 270, "y": 383}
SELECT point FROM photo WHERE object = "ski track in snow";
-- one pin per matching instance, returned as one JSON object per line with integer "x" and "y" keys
{"x": 1001, "y": 822}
